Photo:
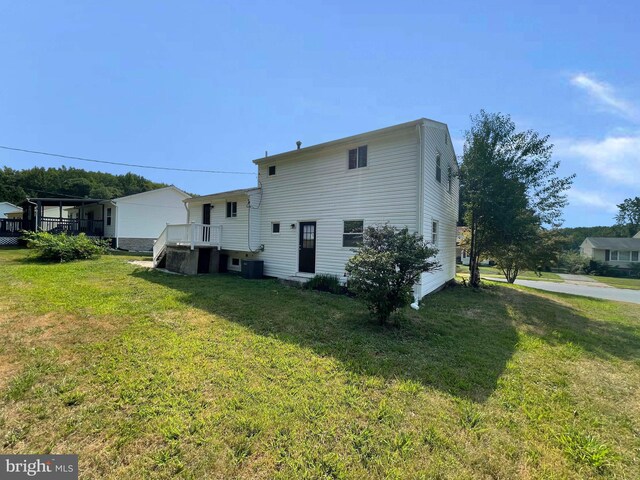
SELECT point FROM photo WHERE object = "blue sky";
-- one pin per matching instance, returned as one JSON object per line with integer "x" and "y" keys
{"x": 203, "y": 84}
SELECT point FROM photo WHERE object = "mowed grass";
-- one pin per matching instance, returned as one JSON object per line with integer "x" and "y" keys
{"x": 493, "y": 272}
{"x": 630, "y": 283}
{"x": 151, "y": 375}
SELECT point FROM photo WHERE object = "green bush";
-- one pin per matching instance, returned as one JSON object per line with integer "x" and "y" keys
{"x": 326, "y": 283}
{"x": 573, "y": 262}
{"x": 64, "y": 248}
{"x": 386, "y": 267}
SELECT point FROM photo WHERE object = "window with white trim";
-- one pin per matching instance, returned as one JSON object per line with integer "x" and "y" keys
{"x": 438, "y": 169}
{"x": 235, "y": 262}
{"x": 624, "y": 255}
{"x": 449, "y": 178}
{"x": 435, "y": 230}
{"x": 358, "y": 157}
{"x": 275, "y": 227}
{"x": 614, "y": 255}
{"x": 108, "y": 216}
{"x": 634, "y": 256}
{"x": 352, "y": 233}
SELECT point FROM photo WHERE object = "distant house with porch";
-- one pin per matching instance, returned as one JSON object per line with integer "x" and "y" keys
{"x": 132, "y": 222}
{"x": 617, "y": 252}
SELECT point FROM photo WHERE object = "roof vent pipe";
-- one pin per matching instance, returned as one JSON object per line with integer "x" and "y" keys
{"x": 298, "y": 144}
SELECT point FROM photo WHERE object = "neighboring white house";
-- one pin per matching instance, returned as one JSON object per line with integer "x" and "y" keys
{"x": 132, "y": 222}
{"x": 9, "y": 210}
{"x": 620, "y": 252}
{"x": 311, "y": 205}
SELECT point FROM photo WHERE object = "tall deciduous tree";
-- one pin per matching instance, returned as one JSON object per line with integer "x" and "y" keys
{"x": 629, "y": 215}
{"x": 509, "y": 187}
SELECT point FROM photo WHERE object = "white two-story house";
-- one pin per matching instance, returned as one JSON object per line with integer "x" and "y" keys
{"x": 309, "y": 209}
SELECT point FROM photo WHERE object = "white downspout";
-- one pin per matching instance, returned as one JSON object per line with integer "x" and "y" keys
{"x": 420, "y": 217}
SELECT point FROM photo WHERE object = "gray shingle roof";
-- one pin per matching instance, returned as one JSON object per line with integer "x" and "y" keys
{"x": 610, "y": 243}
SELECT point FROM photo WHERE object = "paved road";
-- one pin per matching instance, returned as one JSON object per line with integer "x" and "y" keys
{"x": 583, "y": 289}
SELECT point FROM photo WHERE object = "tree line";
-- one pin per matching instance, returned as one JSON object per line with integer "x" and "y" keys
{"x": 64, "y": 182}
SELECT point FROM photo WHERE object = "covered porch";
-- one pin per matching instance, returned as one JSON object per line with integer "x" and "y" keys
{"x": 53, "y": 215}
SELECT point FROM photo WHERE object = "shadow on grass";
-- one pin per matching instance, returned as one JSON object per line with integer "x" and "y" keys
{"x": 458, "y": 343}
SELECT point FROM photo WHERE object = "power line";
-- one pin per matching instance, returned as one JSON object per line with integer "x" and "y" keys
{"x": 121, "y": 163}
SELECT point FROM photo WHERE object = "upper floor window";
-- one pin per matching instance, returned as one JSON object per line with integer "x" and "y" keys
{"x": 438, "y": 169}
{"x": 449, "y": 178}
{"x": 434, "y": 232}
{"x": 358, "y": 157}
{"x": 275, "y": 227}
{"x": 352, "y": 233}
{"x": 232, "y": 209}
{"x": 272, "y": 170}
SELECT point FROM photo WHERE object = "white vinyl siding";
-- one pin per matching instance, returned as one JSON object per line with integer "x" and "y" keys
{"x": 314, "y": 186}
{"x": 439, "y": 204}
{"x": 145, "y": 215}
{"x": 234, "y": 229}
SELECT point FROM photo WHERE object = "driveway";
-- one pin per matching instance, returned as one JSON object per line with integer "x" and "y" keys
{"x": 583, "y": 288}
{"x": 582, "y": 280}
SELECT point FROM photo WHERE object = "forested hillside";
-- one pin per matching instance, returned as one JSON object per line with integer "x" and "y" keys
{"x": 575, "y": 236}
{"x": 16, "y": 185}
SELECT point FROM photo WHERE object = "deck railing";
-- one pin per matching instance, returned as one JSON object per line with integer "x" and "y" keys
{"x": 187, "y": 235}
{"x": 72, "y": 226}
{"x": 10, "y": 227}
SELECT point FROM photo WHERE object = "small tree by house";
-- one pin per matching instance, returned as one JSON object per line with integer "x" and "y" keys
{"x": 535, "y": 249}
{"x": 386, "y": 267}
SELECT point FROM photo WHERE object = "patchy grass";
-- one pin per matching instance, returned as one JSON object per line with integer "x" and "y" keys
{"x": 630, "y": 283}
{"x": 147, "y": 375}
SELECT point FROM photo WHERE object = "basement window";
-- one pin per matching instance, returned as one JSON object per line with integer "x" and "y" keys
{"x": 232, "y": 209}
{"x": 352, "y": 233}
{"x": 235, "y": 262}
{"x": 358, "y": 157}
{"x": 272, "y": 170}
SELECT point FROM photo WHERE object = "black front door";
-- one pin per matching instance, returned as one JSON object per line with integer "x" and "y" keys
{"x": 206, "y": 220}
{"x": 307, "y": 247}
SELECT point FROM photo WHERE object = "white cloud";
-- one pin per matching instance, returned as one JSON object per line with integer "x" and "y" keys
{"x": 591, "y": 199}
{"x": 605, "y": 94}
{"x": 615, "y": 158}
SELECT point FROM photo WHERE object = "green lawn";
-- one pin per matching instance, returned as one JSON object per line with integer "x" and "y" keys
{"x": 493, "y": 272}
{"x": 151, "y": 375}
{"x": 631, "y": 283}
